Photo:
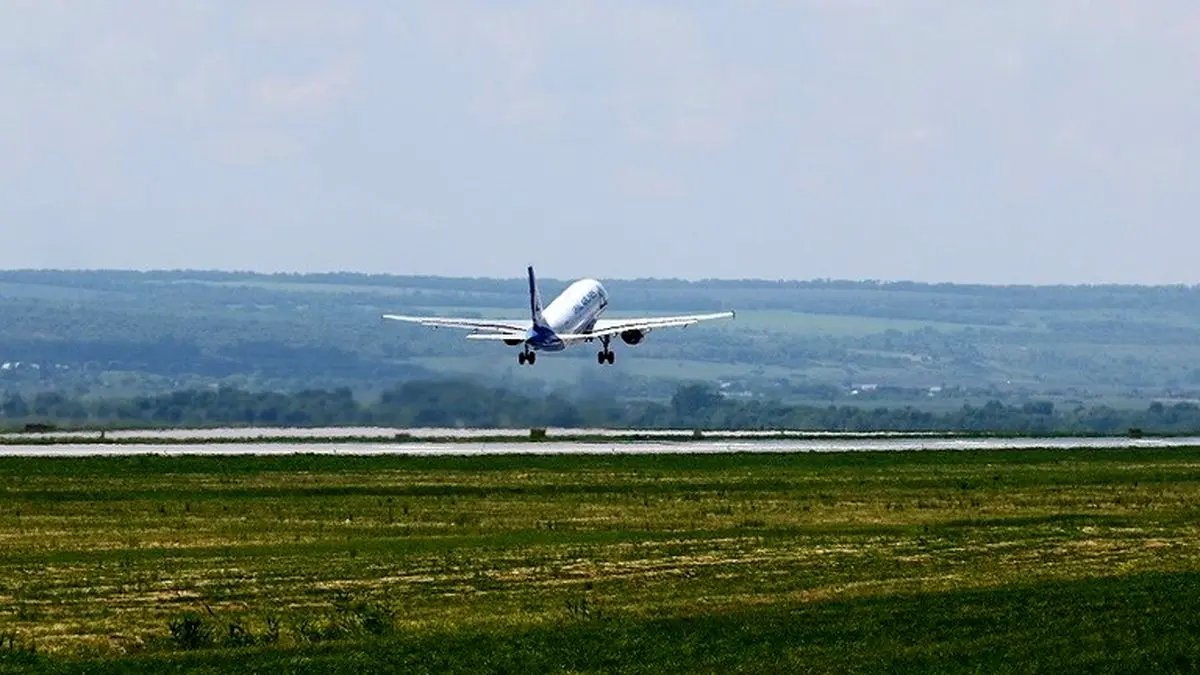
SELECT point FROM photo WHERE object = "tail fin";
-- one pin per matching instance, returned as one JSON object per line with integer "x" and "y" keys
{"x": 535, "y": 302}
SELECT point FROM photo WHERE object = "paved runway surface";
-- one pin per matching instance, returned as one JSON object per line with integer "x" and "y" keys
{"x": 565, "y": 447}
{"x": 252, "y": 433}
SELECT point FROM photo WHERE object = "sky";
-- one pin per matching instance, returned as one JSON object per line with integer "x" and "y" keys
{"x": 1023, "y": 141}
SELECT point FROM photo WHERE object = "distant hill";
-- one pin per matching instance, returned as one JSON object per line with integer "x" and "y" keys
{"x": 821, "y": 340}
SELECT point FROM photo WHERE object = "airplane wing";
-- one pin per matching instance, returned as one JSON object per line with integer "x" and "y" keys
{"x": 605, "y": 327}
{"x": 508, "y": 327}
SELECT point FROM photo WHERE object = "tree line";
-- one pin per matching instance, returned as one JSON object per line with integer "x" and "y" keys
{"x": 454, "y": 403}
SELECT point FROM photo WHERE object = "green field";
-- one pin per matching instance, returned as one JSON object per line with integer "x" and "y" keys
{"x": 992, "y": 561}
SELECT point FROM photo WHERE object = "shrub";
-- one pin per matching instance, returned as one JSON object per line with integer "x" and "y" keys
{"x": 189, "y": 631}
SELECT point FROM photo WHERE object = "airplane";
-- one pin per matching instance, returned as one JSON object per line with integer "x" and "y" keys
{"x": 571, "y": 318}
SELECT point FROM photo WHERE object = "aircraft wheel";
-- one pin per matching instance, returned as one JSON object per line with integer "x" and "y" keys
{"x": 521, "y": 358}
{"x": 612, "y": 356}
{"x": 600, "y": 358}
{"x": 532, "y": 358}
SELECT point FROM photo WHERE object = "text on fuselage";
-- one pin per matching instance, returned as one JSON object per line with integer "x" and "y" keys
{"x": 585, "y": 301}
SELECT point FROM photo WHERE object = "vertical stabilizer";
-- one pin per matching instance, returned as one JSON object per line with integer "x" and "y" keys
{"x": 535, "y": 302}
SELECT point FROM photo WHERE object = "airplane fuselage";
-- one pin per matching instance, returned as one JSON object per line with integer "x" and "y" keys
{"x": 575, "y": 310}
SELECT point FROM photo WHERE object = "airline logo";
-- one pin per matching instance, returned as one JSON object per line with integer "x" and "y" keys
{"x": 585, "y": 301}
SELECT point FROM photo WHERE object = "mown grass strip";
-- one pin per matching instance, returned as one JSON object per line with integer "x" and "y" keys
{"x": 717, "y": 462}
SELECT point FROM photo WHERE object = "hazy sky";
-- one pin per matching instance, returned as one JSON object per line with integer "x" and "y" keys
{"x": 1031, "y": 141}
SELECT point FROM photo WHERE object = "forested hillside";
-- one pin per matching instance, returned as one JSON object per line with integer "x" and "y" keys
{"x": 127, "y": 333}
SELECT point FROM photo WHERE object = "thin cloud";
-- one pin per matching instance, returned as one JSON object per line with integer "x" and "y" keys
{"x": 318, "y": 89}
{"x": 643, "y": 182}
{"x": 833, "y": 138}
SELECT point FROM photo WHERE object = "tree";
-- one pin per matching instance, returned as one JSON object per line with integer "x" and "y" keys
{"x": 692, "y": 403}
{"x": 14, "y": 407}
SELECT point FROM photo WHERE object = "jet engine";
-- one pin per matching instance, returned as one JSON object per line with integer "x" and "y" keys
{"x": 633, "y": 337}
{"x": 513, "y": 342}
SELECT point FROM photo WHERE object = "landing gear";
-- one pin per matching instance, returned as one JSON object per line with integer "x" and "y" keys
{"x": 605, "y": 355}
{"x": 527, "y": 357}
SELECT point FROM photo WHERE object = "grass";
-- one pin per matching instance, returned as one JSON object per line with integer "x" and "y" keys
{"x": 855, "y": 562}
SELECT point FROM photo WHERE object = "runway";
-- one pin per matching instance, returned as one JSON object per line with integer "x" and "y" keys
{"x": 336, "y": 433}
{"x": 516, "y": 447}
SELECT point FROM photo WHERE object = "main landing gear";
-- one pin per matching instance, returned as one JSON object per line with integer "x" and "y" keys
{"x": 605, "y": 355}
{"x": 527, "y": 357}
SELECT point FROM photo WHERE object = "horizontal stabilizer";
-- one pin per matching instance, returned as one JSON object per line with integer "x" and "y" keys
{"x": 495, "y": 336}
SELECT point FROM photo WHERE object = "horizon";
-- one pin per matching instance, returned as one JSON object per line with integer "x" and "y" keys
{"x": 566, "y": 279}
